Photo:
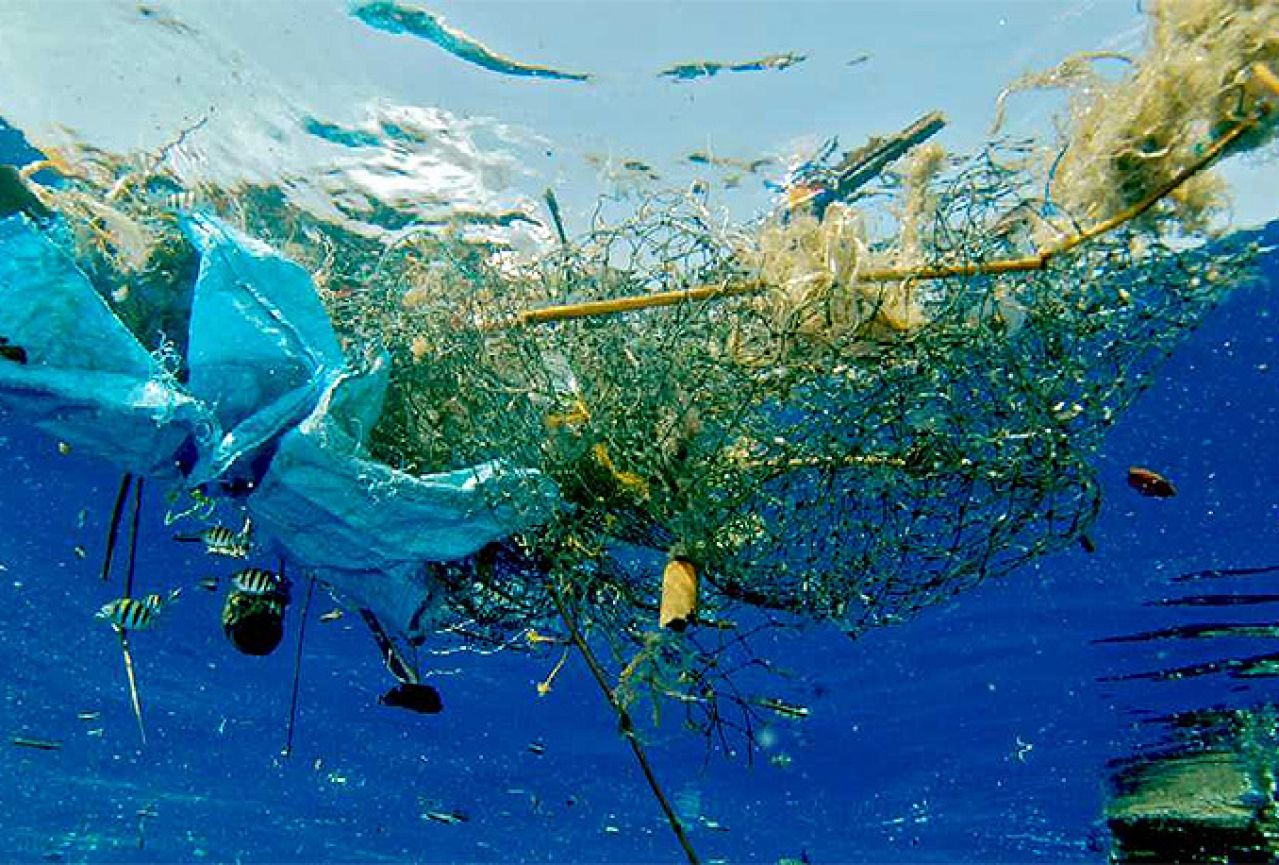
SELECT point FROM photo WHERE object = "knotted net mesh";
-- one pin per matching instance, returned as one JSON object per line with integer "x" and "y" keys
{"x": 843, "y": 412}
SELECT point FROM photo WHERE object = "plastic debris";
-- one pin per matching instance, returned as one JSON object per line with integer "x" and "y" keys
{"x": 393, "y": 17}
{"x": 708, "y": 68}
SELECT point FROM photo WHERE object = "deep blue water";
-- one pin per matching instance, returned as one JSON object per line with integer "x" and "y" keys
{"x": 980, "y": 731}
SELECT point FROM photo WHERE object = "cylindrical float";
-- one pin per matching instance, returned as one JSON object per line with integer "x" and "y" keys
{"x": 679, "y": 594}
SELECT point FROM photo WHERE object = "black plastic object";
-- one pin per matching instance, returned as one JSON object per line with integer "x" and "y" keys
{"x": 253, "y": 623}
{"x": 416, "y": 698}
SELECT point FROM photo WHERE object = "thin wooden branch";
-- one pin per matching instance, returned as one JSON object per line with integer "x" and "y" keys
{"x": 866, "y": 163}
{"x": 626, "y": 725}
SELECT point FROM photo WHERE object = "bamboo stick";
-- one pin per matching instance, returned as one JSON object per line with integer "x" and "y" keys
{"x": 1268, "y": 79}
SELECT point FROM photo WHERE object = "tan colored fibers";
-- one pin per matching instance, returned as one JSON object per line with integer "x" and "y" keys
{"x": 1130, "y": 136}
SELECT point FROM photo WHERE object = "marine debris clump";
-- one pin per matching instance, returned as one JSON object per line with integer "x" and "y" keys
{"x": 668, "y": 430}
{"x": 1134, "y": 134}
{"x": 841, "y": 412}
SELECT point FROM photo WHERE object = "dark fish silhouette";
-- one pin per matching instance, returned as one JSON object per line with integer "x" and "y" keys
{"x": 37, "y": 744}
{"x": 416, "y": 698}
{"x": 15, "y": 353}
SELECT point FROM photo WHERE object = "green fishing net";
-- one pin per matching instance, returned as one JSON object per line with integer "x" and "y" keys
{"x": 845, "y": 411}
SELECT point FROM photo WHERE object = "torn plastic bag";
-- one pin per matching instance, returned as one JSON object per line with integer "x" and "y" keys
{"x": 261, "y": 351}
{"x": 369, "y": 530}
{"x": 269, "y": 399}
{"x": 81, "y": 376}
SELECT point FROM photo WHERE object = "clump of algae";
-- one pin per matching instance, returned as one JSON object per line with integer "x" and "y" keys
{"x": 1131, "y": 136}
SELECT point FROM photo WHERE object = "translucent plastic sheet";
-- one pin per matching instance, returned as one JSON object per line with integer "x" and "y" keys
{"x": 86, "y": 379}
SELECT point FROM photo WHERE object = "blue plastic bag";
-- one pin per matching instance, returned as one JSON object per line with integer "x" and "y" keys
{"x": 271, "y": 410}
{"x": 86, "y": 379}
{"x": 261, "y": 349}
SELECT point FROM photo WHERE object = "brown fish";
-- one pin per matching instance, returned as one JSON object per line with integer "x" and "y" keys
{"x": 1149, "y": 483}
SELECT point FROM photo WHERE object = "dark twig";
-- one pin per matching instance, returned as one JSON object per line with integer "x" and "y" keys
{"x": 297, "y": 668}
{"x": 133, "y": 536}
{"x": 626, "y": 725}
{"x": 113, "y": 532}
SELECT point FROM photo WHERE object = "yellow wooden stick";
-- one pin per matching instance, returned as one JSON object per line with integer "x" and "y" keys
{"x": 1268, "y": 79}
{"x": 1038, "y": 261}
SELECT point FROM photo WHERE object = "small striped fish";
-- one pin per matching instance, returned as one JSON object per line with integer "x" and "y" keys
{"x": 221, "y": 541}
{"x": 257, "y": 581}
{"x": 136, "y": 614}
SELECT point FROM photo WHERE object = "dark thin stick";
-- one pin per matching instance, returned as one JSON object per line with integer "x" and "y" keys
{"x": 114, "y": 531}
{"x": 297, "y": 668}
{"x": 133, "y": 536}
{"x": 1214, "y": 573}
{"x": 626, "y": 724}
{"x": 868, "y": 162}
{"x": 553, "y": 205}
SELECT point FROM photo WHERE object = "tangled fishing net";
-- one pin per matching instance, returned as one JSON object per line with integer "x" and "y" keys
{"x": 840, "y": 413}
{"x": 670, "y": 430}
{"x": 830, "y": 433}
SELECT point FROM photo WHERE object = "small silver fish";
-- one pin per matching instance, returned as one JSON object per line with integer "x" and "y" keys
{"x": 781, "y": 707}
{"x": 257, "y": 581}
{"x": 449, "y": 818}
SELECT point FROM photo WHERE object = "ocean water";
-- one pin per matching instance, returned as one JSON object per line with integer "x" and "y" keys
{"x": 987, "y": 729}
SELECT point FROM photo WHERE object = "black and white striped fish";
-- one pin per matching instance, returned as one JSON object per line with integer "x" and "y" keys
{"x": 136, "y": 614}
{"x": 258, "y": 581}
{"x": 221, "y": 541}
